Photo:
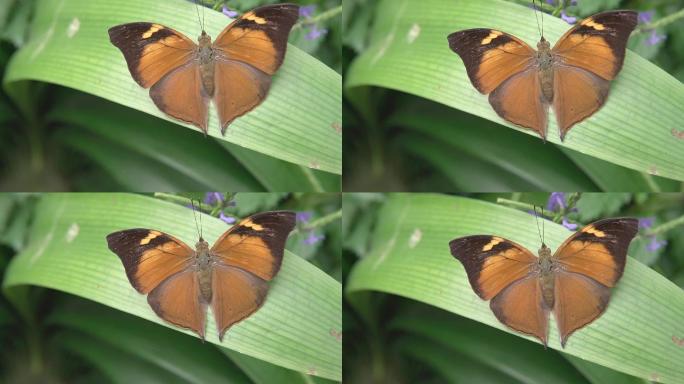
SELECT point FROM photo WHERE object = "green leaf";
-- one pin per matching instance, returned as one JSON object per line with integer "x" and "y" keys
{"x": 611, "y": 177}
{"x": 592, "y": 206}
{"x": 281, "y": 176}
{"x": 186, "y": 358}
{"x": 633, "y": 336}
{"x": 67, "y": 251}
{"x": 261, "y": 372}
{"x": 69, "y": 46}
{"x": 199, "y": 161}
{"x": 120, "y": 367}
{"x": 600, "y": 375}
{"x": 504, "y": 164}
{"x": 454, "y": 366}
{"x": 525, "y": 362}
{"x": 409, "y": 52}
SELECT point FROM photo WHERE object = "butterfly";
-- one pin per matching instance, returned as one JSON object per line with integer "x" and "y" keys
{"x": 573, "y": 77}
{"x": 574, "y": 282}
{"x": 234, "y": 71}
{"x": 232, "y": 276}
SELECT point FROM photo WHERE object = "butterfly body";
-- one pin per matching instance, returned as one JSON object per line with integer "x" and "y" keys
{"x": 205, "y": 56}
{"x": 231, "y": 277}
{"x": 573, "y": 283}
{"x": 203, "y": 264}
{"x": 234, "y": 71}
{"x": 572, "y": 77}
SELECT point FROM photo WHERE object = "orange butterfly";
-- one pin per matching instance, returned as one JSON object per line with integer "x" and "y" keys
{"x": 232, "y": 276}
{"x": 234, "y": 71}
{"x": 574, "y": 76}
{"x": 574, "y": 283}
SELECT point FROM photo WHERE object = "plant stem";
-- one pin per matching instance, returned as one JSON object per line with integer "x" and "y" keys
{"x": 181, "y": 200}
{"x": 329, "y": 14}
{"x": 669, "y": 19}
{"x": 662, "y": 228}
{"x": 323, "y": 221}
{"x": 521, "y": 206}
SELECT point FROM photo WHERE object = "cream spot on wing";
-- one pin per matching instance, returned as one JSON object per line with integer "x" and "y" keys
{"x": 150, "y": 237}
{"x": 153, "y": 29}
{"x": 492, "y": 35}
{"x": 492, "y": 244}
{"x": 589, "y": 22}
{"x": 593, "y": 231}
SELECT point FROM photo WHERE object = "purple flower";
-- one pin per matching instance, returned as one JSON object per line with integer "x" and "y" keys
{"x": 226, "y": 11}
{"x": 307, "y": 11}
{"x": 568, "y": 19}
{"x": 212, "y": 198}
{"x": 552, "y": 2}
{"x": 556, "y": 201}
{"x": 315, "y": 32}
{"x": 303, "y": 216}
{"x": 646, "y": 222}
{"x": 655, "y": 244}
{"x": 569, "y": 225}
{"x": 227, "y": 219}
{"x": 655, "y": 38}
{"x": 313, "y": 238}
{"x": 646, "y": 17}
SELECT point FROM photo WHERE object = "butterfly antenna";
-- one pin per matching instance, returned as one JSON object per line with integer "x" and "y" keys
{"x": 194, "y": 214}
{"x": 537, "y": 218}
{"x": 198, "y": 17}
{"x": 204, "y": 24}
{"x": 543, "y": 226}
{"x": 534, "y": 9}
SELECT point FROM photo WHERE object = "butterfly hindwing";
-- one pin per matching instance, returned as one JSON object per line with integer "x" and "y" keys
{"x": 151, "y": 50}
{"x": 519, "y": 101}
{"x": 490, "y": 56}
{"x": 249, "y": 254}
{"x": 178, "y": 301}
{"x": 597, "y": 43}
{"x": 149, "y": 256}
{"x": 520, "y": 306}
{"x": 236, "y": 294}
{"x": 180, "y": 94}
{"x": 492, "y": 263}
{"x": 248, "y": 52}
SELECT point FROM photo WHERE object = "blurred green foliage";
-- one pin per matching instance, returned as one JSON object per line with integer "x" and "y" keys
{"x": 389, "y": 338}
{"x": 58, "y": 139}
{"x": 394, "y": 141}
{"x": 47, "y": 336}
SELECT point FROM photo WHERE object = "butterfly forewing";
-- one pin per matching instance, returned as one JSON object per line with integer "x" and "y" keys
{"x": 149, "y": 256}
{"x": 492, "y": 263}
{"x": 597, "y": 43}
{"x": 599, "y": 250}
{"x": 151, "y": 50}
{"x": 256, "y": 244}
{"x": 490, "y": 56}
